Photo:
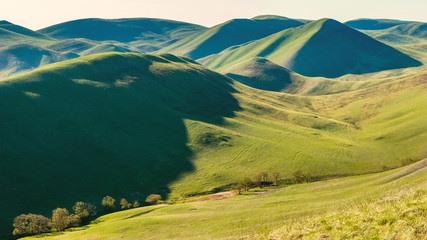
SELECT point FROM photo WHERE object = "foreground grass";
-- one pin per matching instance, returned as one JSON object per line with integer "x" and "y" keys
{"x": 400, "y": 215}
{"x": 289, "y": 210}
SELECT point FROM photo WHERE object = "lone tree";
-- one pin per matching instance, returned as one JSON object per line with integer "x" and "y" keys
{"x": 108, "y": 203}
{"x": 124, "y": 204}
{"x": 244, "y": 185}
{"x": 60, "y": 219}
{"x": 153, "y": 198}
{"x": 276, "y": 176}
{"x": 84, "y": 210}
{"x": 30, "y": 224}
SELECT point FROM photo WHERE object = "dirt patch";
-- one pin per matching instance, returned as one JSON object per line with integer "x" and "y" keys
{"x": 216, "y": 196}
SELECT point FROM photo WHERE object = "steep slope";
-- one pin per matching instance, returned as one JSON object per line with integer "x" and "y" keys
{"x": 22, "y": 57}
{"x": 108, "y": 124}
{"x": 13, "y": 34}
{"x": 261, "y": 73}
{"x": 324, "y": 48}
{"x": 123, "y": 30}
{"x": 233, "y": 32}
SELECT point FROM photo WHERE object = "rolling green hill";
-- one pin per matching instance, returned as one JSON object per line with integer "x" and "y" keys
{"x": 261, "y": 74}
{"x": 323, "y": 48}
{"x": 389, "y": 204}
{"x": 19, "y": 58}
{"x": 109, "y": 124}
{"x": 151, "y": 30}
{"x": 230, "y": 33}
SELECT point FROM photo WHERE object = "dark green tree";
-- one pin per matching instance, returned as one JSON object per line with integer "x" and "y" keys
{"x": 30, "y": 224}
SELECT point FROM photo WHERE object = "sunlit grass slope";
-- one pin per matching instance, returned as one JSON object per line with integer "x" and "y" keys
{"x": 323, "y": 48}
{"x": 230, "y": 33}
{"x": 365, "y": 206}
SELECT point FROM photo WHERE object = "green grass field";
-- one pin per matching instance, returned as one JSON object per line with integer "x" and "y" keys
{"x": 360, "y": 207}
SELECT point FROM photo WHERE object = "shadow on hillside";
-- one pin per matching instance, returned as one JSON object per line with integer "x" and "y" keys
{"x": 100, "y": 129}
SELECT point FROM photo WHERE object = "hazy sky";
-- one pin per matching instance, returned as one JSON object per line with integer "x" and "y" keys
{"x": 36, "y": 14}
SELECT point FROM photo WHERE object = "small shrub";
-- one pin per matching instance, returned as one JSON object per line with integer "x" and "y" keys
{"x": 136, "y": 204}
{"x": 153, "y": 198}
{"x": 406, "y": 161}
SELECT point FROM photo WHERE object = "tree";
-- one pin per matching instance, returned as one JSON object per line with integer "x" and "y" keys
{"x": 124, "y": 204}
{"x": 60, "y": 219}
{"x": 136, "y": 204}
{"x": 30, "y": 224}
{"x": 240, "y": 188}
{"x": 300, "y": 177}
{"x": 84, "y": 210}
{"x": 276, "y": 176}
{"x": 261, "y": 178}
{"x": 153, "y": 198}
{"x": 75, "y": 220}
{"x": 108, "y": 203}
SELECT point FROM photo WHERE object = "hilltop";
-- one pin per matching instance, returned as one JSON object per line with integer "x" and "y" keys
{"x": 320, "y": 48}
{"x": 151, "y": 30}
{"x": 261, "y": 73}
{"x": 230, "y": 33}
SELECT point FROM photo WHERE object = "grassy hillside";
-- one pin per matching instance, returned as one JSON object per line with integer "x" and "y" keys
{"x": 109, "y": 124}
{"x": 362, "y": 206}
{"x": 230, "y": 33}
{"x": 320, "y": 48}
{"x": 129, "y": 124}
{"x": 123, "y": 30}
{"x": 19, "y": 58}
{"x": 261, "y": 74}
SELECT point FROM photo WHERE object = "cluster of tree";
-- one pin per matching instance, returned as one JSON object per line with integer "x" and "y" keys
{"x": 262, "y": 180}
{"x": 32, "y": 224}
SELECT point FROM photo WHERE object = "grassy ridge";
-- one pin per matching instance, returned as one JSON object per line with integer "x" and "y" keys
{"x": 255, "y": 216}
{"x": 320, "y": 48}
